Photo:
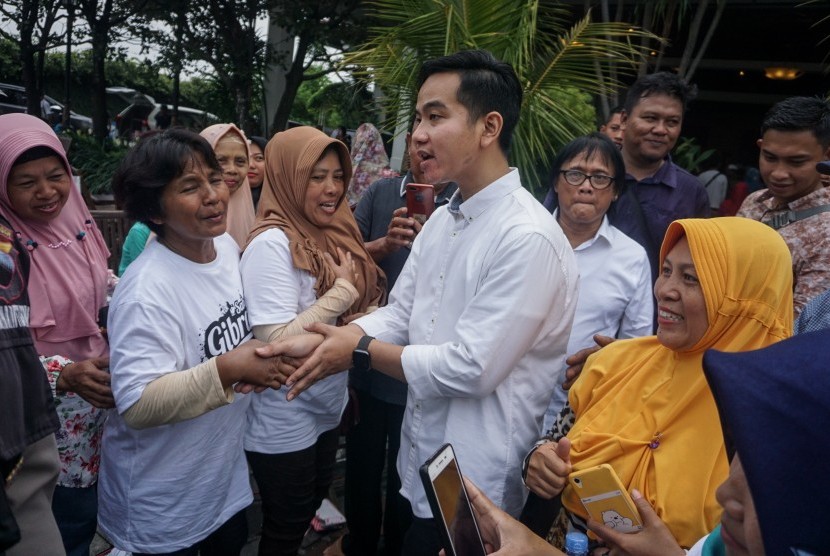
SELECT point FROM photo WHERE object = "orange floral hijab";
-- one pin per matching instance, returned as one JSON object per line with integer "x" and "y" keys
{"x": 290, "y": 157}
{"x": 648, "y": 411}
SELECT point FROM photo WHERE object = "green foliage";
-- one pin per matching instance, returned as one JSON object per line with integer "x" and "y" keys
{"x": 142, "y": 75}
{"x": 551, "y": 59}
{"x": 96, "y": 162}
{"x": 207, "y": 93}
{"x": 302, "y": 109}
{"x": 10, "y": 71}
{"x": 689, "y": 155}
{"x": 332, "y": 104}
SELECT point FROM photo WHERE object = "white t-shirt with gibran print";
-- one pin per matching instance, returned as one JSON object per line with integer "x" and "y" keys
{"x": 168, "y": 487}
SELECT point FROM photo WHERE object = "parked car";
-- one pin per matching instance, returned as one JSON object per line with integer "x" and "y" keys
{"x": 13, "y": 99}
{"x": 136, "y": 112}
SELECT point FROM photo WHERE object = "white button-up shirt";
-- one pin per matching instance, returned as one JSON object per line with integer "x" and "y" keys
{"x": 484, "y": 306}
{"x": 615, "y": 297}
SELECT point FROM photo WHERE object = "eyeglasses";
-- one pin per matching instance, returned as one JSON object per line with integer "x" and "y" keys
{"x": 577, "y": 178}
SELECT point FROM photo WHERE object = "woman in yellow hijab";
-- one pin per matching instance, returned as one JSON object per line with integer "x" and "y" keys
{"x": 643, "y": 405}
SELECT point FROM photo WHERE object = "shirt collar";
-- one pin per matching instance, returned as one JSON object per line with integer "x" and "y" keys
{"x": 666, "y": 174}
{"x": 405, "y": 180}
{"x": 481, "y": 201}
{"x": 603, "y": 232}
{"x": 820, "y": 196}
{"x": 443, "y": 197}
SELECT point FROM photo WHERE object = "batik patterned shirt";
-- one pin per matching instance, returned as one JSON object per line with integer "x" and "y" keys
{"x": 808, "y": 239}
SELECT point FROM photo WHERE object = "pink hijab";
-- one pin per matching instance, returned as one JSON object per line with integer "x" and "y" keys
{"x": 241, "y": 215}
{"x": 68, "y": 276}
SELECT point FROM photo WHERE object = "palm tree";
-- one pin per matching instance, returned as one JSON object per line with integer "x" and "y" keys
{"x": 550, "y": 58}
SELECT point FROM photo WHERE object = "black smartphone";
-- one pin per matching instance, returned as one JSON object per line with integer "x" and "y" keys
{"x": 450, "y": 504}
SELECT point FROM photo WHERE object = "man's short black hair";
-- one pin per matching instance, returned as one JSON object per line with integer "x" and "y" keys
{"x": 614, "y": 111}
{"x": 585, "y": 147}
{"x": 151, "y": 165}
{"x": 800, "y": 114}
{"x": 487, "y": 85}
{"x": 661, "y": 83}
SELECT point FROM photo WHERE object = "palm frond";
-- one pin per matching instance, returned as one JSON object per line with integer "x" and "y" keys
{"x": 556, "y": 62}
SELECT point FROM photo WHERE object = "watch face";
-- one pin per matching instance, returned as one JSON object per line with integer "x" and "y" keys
{"x": 361, "y": 359}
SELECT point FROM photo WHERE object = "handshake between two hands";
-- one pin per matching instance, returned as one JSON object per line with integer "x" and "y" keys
{"x": 298, "y": 362}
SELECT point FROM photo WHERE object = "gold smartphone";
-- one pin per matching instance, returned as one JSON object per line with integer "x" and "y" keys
{"x": 605, "y": 499}
{"x": 450, "y": 504}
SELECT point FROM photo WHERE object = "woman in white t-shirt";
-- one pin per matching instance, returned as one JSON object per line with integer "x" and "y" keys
{"x": 291, "y": 279}
{"x": 173, "y": 476}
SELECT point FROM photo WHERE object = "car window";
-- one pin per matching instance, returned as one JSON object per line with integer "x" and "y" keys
{"x": 13, "y": 96}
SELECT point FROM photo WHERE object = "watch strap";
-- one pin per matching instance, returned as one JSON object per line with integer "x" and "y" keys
{"x": 363, "y": 344}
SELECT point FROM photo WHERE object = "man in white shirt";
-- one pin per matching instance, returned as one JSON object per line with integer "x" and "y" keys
{"x": 478, "y": 321}
{"x": 615, "y": 299}
{"x": 45, "y": 109}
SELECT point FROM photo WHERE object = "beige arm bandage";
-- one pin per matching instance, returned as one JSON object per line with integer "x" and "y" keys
{"x": 328, "y": 307}
{"x": 179, "y": 396}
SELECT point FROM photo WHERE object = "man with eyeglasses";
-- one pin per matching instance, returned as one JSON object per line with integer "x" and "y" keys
{"x": 615, "y": 297}
{"x": 657, "y": 191}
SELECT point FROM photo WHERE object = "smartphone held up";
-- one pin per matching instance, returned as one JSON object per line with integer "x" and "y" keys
{"x": 450, "y": 504}
{"x": 420, "y": 201}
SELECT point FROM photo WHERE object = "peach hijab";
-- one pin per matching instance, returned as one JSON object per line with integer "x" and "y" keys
{"x": 241, "y": 204}
{"x": 290, "y": 157}
{"x": 648, "y": 411}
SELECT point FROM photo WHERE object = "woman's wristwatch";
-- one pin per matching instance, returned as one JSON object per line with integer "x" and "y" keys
{"x": 526, "y": 461}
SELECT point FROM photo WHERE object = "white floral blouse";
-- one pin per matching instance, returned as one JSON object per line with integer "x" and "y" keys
{"x": 79, "y": 438}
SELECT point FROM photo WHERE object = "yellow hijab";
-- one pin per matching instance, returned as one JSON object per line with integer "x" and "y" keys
{"x": 241, "y": 203}
{"x": 647, "y": 410}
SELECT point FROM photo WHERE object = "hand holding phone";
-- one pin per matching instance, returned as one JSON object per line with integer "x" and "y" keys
{"x": 401, "y": 231}
{"x": 420, "y": 201}
{"x": 605, "y": 499}
{"x": 450, "y": 504}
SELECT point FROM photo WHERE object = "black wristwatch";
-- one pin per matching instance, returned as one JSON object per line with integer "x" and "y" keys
{"x": 361, "y": 360}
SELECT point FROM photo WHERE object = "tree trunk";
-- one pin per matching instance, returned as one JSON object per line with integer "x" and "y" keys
{"x": 648, "y": 17}
{"x": 691, "y": 41}
{"x": 668, "y": 22}
{"x": 181, "y": 21}
{"x": 706, "y": 39}
{"x": 292, "y": 85}
{"x": 34, "y": 88}
{"x": 99, "y": 83}
{"x": 293, "y": 79}
{"x": 605, "y": 108}
{"x": 33, "y": 85}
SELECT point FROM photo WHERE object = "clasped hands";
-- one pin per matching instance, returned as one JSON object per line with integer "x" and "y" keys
{"x": 306, "y": 359}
